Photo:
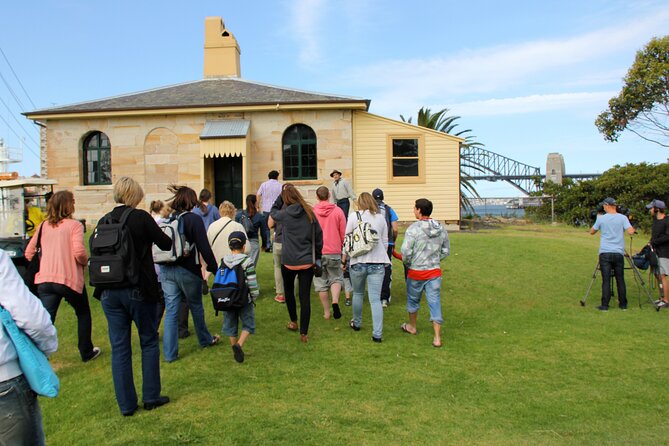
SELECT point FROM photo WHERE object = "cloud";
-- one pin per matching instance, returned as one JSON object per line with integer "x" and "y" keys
{"x": 307, "y": 16}
{"x": 558, "y": 65}
{"x": 531, "y": 104}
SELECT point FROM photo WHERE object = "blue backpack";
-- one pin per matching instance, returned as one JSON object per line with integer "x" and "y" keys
{"x": 229, "y": 291}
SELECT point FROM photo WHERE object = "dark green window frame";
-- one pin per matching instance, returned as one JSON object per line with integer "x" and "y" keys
{"x": 299, "y": 153}
{"x": 97, "y": 159}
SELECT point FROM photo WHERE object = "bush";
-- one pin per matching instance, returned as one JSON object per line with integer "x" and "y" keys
{"x": 632, "y": 185}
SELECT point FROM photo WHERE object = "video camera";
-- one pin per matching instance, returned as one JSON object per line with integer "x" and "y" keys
{"x": 599, "y": 210}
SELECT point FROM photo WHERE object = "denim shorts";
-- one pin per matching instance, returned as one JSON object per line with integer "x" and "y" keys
{"x": 231, "y": 321}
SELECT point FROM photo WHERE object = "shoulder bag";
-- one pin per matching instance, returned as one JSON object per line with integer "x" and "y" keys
{"x": 33, "y": 361}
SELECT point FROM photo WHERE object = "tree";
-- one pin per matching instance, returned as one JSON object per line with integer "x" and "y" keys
{"x": 642, "y": 106}
{"x": 632, "y": 185}
{"x": 441, "y": 122}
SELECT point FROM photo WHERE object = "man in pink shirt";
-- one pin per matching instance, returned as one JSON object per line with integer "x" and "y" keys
{"x": 333, "y": 223}
{"x": 267, "y": 194}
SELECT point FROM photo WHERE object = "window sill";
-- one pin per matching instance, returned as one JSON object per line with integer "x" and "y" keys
{"x": 104, "y": 187}
{"x": 315, "y": 182}
{"x": 408, "y": 180}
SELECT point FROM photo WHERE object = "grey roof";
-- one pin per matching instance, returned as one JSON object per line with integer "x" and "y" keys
{"x": 225, "y": 129}
{"x": 215, "y": 92}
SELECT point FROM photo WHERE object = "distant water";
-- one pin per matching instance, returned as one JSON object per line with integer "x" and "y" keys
{"x": 497, "y": 210}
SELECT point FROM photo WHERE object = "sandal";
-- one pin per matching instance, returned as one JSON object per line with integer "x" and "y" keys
{"x": 214, "y": 340}
{"x": 292, "y": 326}
{"x": 405, "y": 329}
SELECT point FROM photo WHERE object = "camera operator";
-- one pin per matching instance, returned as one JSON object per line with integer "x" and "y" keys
{"x": 611, "y": 251}
{"x": 659, "y": 241}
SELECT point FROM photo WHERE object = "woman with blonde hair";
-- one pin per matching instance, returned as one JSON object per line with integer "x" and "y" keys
{"x": 220, "y": 230}
{"x": 302, "y": 241}
{"x": 135, "y": 303}
{"x": 368, "y": 269}
{"x": 61, "y": 274}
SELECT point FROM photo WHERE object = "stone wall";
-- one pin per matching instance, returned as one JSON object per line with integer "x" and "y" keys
{"x": 163, "y": 149}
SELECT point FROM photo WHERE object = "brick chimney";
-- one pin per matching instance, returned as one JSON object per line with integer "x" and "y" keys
{"x": 221, "y": 50}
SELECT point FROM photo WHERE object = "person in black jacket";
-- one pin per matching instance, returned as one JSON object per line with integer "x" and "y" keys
{"x": 302, "y": 247}
{"x": 659, "y": 241}
{"x": 183, "y": 278}
{"x": 138, "y": 304}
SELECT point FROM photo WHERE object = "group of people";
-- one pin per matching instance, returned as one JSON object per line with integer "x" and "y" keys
{"x": 307, "y": 252}
{"x": 613, "y": 225}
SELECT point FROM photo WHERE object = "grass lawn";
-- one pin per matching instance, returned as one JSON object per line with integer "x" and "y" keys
{"x": 522, "y": 363}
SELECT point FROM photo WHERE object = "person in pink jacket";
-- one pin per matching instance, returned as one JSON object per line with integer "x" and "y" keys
{"x": 333, "y": 222}
{"x": 61, "y": 273}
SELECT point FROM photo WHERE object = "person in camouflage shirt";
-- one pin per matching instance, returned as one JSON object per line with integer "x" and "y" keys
{"x": 425, "y": 245}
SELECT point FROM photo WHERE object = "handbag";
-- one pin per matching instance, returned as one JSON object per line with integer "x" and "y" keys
{"x": 34, "y": 363}
{"x": 361, "y": 240}
{"x": 33, "y": 266}
{"x": 318, "y": 268}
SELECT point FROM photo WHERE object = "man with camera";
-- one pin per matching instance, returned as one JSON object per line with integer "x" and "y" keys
{"x": 659, "y": 241}
{"x": 612, "y": 226}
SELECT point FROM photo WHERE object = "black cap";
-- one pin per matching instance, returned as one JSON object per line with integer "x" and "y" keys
{"x": 377, "y": 194}
{"x": 608, "y": 201}
{"x": 237, "y": 237}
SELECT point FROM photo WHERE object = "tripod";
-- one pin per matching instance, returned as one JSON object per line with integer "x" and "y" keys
{"x": 637, "y": 277}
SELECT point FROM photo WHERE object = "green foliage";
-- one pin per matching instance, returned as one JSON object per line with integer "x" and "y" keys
{"x": 643, "y": 104}
{"x": 633, "y": 186}
{"x": 441, "y": 122}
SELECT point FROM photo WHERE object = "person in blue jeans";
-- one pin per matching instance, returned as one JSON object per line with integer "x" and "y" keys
{"x": 612, "y": 226}
{"x": 183, "y": 278}
{"x": 425, "y": 245}
{"x": 368, "y": 269}
{"x": 20, "y": 414}
{"x": 135, "y": 303}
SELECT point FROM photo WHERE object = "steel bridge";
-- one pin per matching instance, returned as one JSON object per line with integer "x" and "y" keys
{"x": 481, "y": 164}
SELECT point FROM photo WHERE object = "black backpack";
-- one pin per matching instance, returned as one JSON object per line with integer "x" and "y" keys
{"x": 386, "y": 212}
{"x": 113, "y": 263}
{"x": 229, "y": 291}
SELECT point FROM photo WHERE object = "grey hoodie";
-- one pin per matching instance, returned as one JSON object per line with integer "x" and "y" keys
{"x": 425, "y": 245}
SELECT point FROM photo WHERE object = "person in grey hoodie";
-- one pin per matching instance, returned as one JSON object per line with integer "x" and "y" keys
{"x": 301, "y": 249}
{"x": 246, "y": 314}
{"x": 425, "y": 245}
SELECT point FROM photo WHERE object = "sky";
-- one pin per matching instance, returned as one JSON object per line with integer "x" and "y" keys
{"x": 527, "y": 77}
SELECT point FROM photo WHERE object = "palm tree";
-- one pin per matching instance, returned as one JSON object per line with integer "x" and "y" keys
{"x": 441, "y": 122}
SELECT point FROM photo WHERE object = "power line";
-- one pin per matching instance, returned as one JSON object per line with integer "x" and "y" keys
{"x": 17, "y": 121}
{"x": 17, "y": 78}
{"x": 17, "y": 135}
{"x": 11, "y": 90}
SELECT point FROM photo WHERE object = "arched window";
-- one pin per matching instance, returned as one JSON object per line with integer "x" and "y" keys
{"x": 299, "y": 153}
{"x": 97, "y": 159}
